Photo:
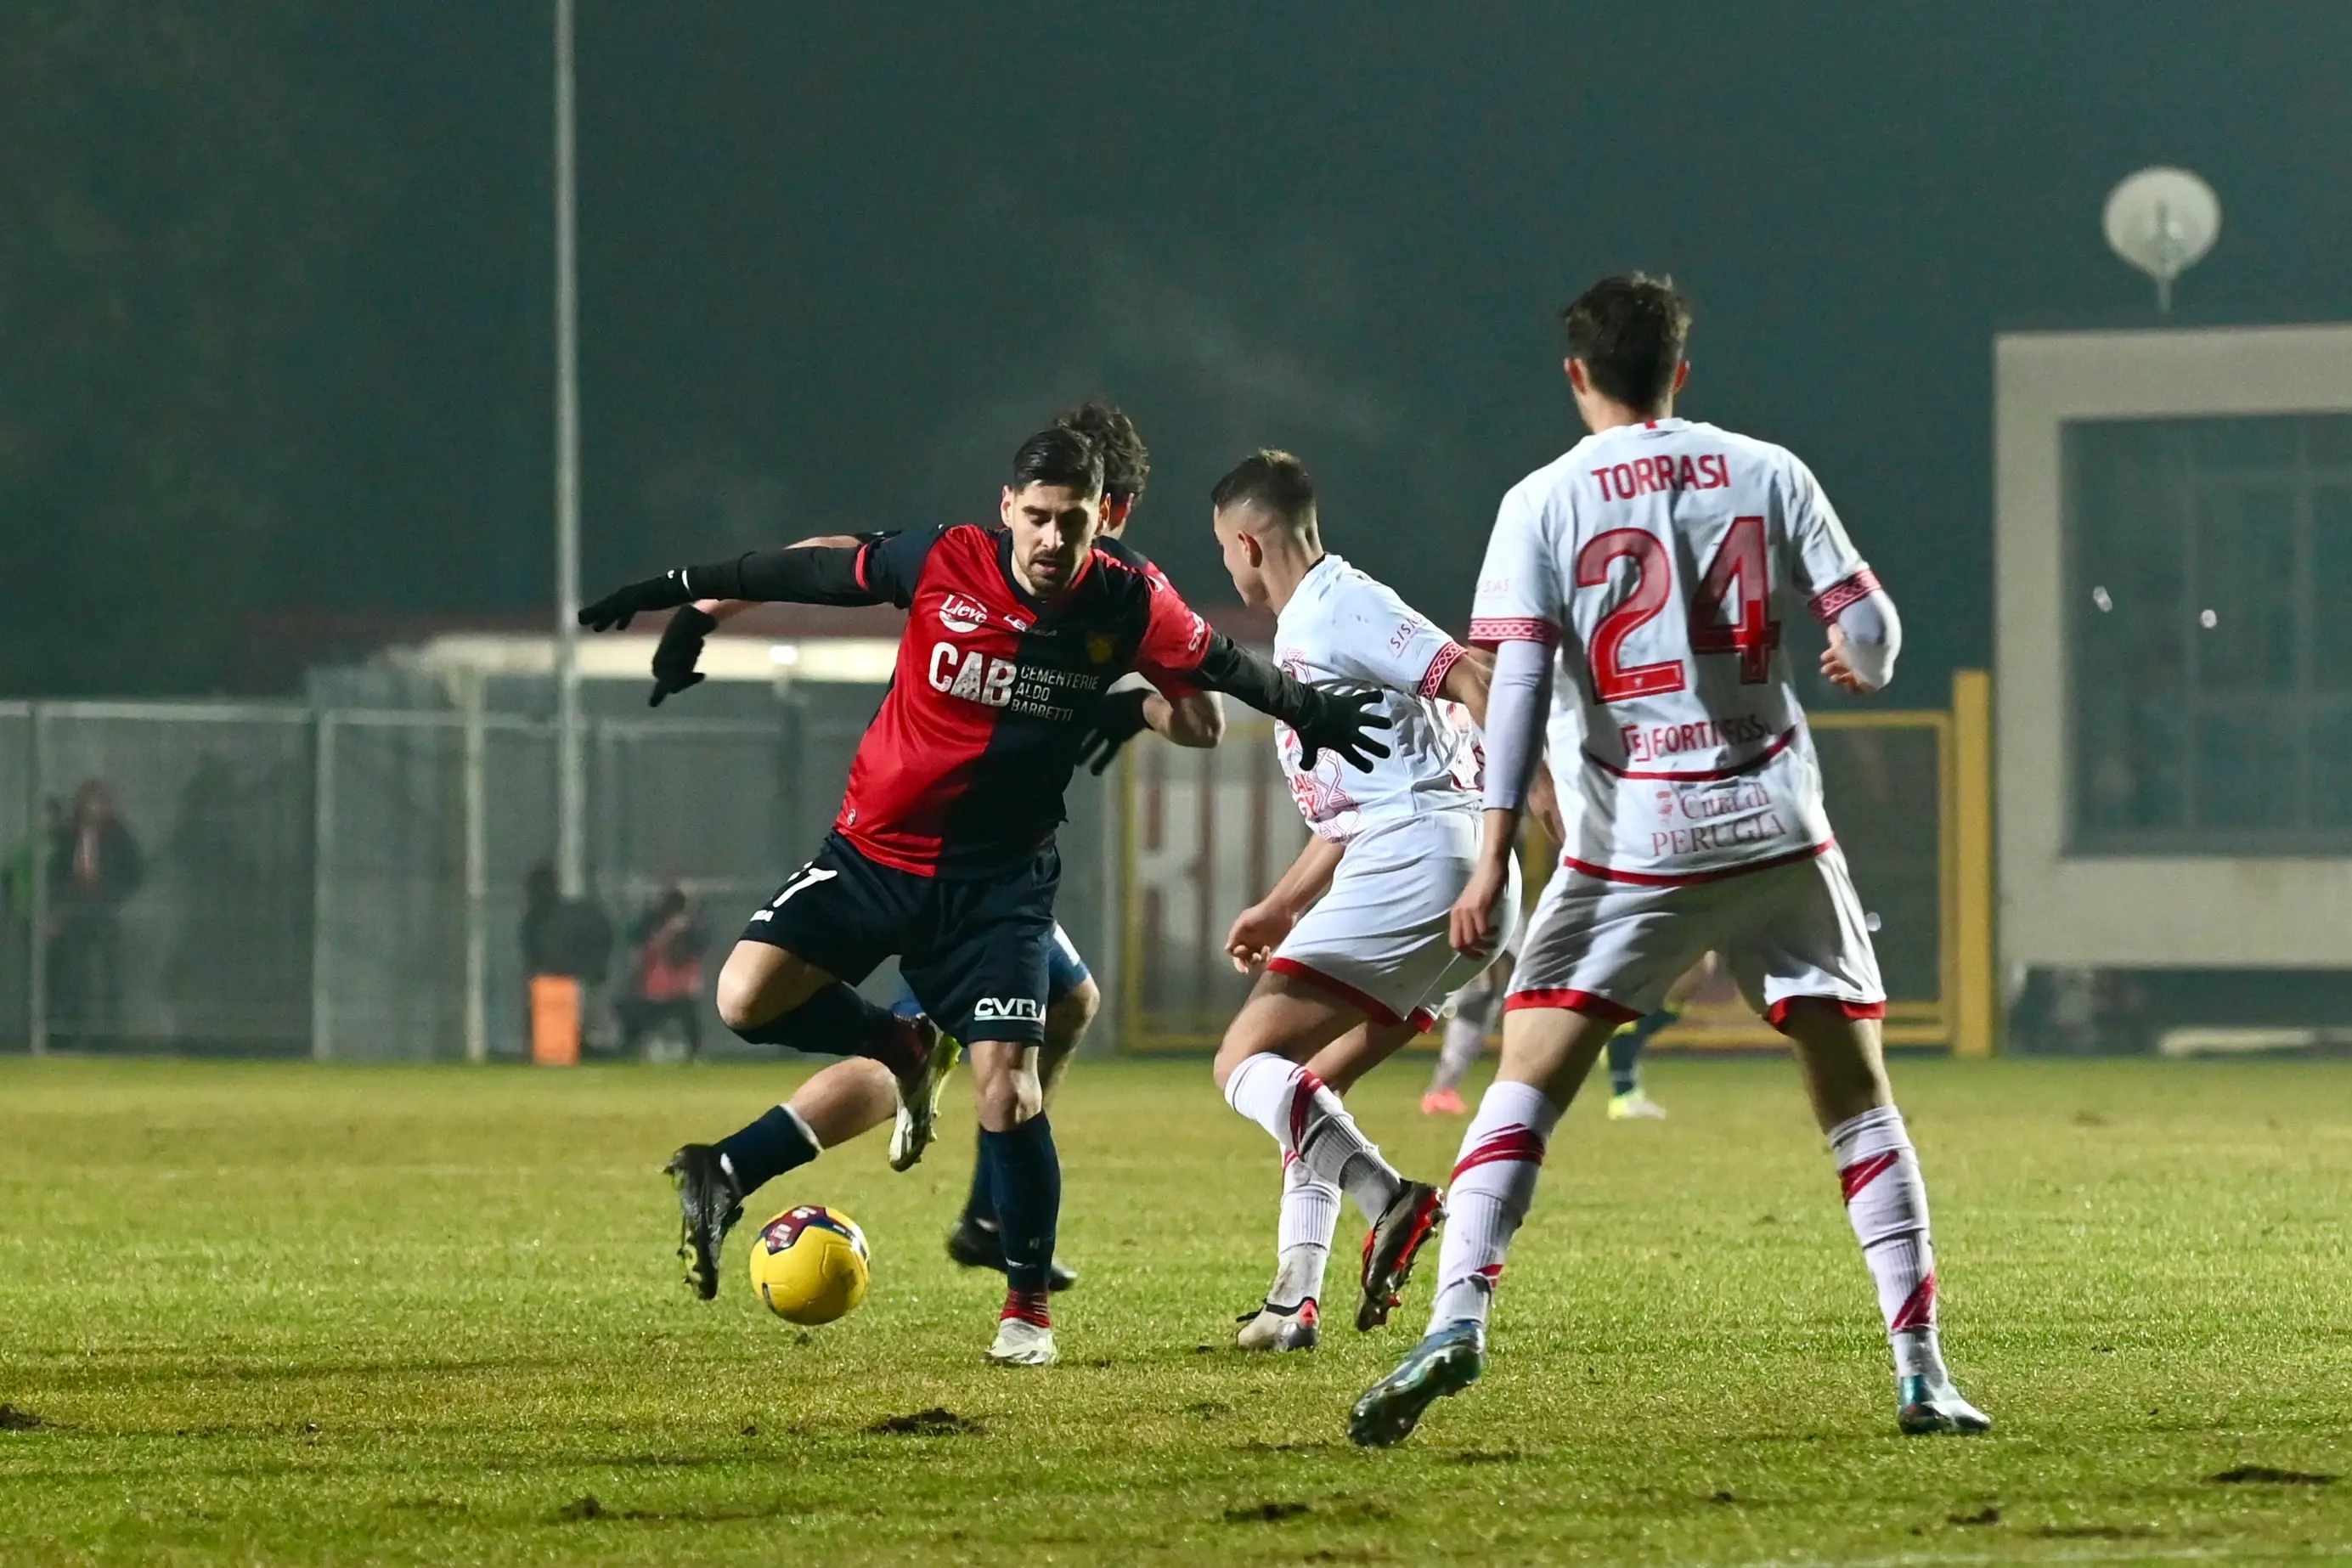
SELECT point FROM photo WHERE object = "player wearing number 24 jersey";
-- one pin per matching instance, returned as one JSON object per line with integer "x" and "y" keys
{"x": 1641, "y": 583}
{"x": 1663, "y": 559}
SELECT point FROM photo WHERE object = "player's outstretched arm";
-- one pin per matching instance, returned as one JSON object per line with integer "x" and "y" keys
{"x": 1258, "y": 930}
{"x": 1341, "y": 719}
{"x": 822, "y": 575}
{"x": 681, "y": 648}
{"x": 1196, "y": 720}
{"x": 702, "y": 596}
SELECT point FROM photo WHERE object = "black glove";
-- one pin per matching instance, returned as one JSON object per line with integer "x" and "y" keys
{"x": 680, "y": 647}
{"x": 1340, "y": 720}
{"x": 616, "y": 609}
{"x": 1118, "y": 719}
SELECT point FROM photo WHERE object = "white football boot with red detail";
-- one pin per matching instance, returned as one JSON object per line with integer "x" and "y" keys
{"x": 1392, "y": 1245}
{"x": 1273, "y": 1328}
{"x": 1024, "y": 1332}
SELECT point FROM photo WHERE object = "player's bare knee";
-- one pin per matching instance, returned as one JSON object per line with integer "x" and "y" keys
{"x": 759, "y": 984}
{"x": 740, "y": 999}
{"x": 1840, "y": 1055}
{"x": 1004, "y": 1088}
{"x": 1240, "y": 1044}
{"x": 1005, "y": 1101}
{"x": 1553, "y": 1048}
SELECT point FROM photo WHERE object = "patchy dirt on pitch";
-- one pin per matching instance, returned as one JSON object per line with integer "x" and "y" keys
{"x": 426, "y": 1314}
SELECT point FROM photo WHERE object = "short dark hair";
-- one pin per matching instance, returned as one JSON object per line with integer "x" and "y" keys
{"x": 1127, "y": 461}
{"x": 1630, "y": 331}
{"x": 1059, "y": 455}
{"x": 1272, "y": 479}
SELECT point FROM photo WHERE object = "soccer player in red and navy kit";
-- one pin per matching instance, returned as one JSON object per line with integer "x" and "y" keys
{"x": 943, "y": 851}
{"x": 859, "y": 1094}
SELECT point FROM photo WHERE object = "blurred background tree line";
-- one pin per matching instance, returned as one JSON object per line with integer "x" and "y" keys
{"x": 275, "y": 275}
{"x": 175, "y": 189}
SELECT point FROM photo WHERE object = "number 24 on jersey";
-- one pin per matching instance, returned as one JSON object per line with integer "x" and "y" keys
{"x": 1729, "y": 615}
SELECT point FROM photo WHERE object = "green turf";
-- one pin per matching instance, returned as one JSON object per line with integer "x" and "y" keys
{"x": 282, "y": 1313}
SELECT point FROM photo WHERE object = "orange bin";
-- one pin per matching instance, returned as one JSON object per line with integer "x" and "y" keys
{"x": 554, "y": 1020}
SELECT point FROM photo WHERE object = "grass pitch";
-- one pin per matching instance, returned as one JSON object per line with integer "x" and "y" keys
{"x": 280, "y": 1313}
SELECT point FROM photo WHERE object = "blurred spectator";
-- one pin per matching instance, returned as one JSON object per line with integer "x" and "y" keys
{"x": 567, "y": 944}
{"x": 95, "y": 865}
{"x": 667, "y": 987}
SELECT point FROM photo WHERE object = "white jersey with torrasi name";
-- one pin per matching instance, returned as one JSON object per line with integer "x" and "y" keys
{"x": 1661, "y": 560}
{"x": 1342, "y": 625}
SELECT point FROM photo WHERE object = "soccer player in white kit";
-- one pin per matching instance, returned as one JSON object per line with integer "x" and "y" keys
{"x": 1649, "y": 570}
{"x": 1355, "y": 937}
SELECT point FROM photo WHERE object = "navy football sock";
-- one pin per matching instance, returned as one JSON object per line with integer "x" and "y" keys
{"x": 765, "y": 1150}
{"x": 1625, "y": 1050}
{"x": 1026, "y": 1175}
{"x": 980, "y": 1204}
{"x": 836, "y": 1022}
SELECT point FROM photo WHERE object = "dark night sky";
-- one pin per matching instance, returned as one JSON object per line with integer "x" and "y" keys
{"x": 836, "y": 261}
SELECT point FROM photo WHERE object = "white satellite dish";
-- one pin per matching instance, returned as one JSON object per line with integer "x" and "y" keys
{"x": 2163, "y": 221}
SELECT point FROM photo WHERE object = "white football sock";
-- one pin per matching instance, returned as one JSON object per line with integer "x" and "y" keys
{"x": 1494, "y": 1184}
{"x": 1886, "y": 1202}
{"x": 1310, "y": 1214}
{"x": 1307, "y": 1119}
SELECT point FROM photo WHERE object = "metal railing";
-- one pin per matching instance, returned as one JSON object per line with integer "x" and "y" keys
{"x": 335, "y": 882}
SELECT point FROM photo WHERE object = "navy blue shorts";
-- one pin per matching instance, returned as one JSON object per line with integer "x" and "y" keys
{"x": 1065, "y": 971}
{"x": 976, "y": 951}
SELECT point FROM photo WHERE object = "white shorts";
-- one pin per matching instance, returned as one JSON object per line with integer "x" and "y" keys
{"x": 1380, "y": 938}
{"x": 1612, "y": 949}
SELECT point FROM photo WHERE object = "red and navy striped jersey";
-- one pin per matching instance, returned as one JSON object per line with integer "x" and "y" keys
{"x": 963, "y": 770}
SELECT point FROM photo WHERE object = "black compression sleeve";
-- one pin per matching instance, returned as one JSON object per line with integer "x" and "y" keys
{"x": 1230, "y": 668}
{"x": 814, "y": 575}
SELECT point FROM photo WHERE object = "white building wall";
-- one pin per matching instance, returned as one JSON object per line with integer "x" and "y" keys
{"x": 2170, "y": 911}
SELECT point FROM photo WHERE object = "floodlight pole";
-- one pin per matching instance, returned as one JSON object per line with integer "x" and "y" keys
{"x": 571, "y": 752}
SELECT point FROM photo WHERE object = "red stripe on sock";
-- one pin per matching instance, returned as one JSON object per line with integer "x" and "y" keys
{"x": 1919, "y": 1308}
{"x": 1506, "y": 1144}
{"x": 1863, "y": 1172}
{"x": 1302, "y": 1105}
{"x": 1029, "y": 1306}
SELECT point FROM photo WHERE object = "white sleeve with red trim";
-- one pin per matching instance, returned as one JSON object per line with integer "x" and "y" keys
{"x": 1839, "y": 585}
{"x": 1376, "y": 637}
{"x": 1518, "y": 585}
{"x": 1518, "y": 699}
{"x": 1873, "y": 636}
